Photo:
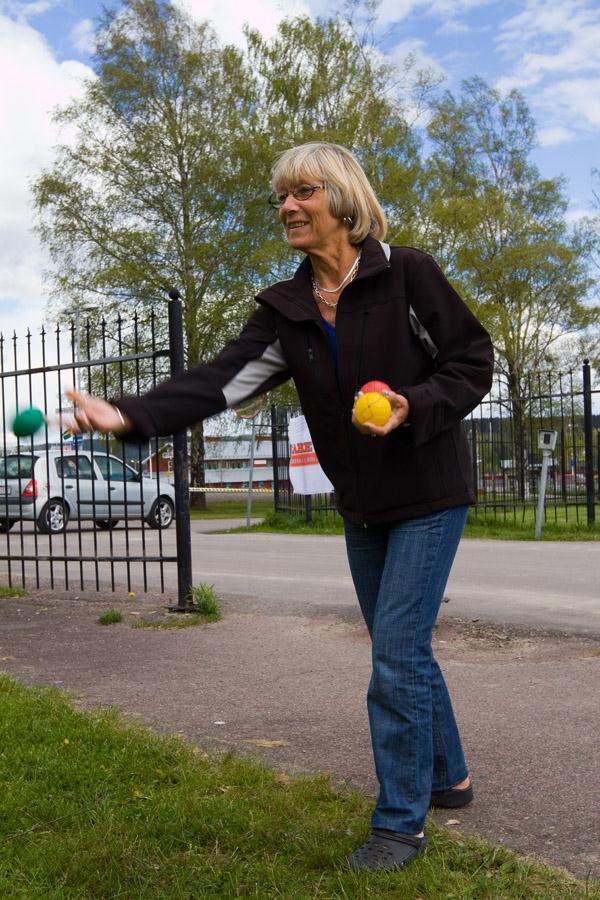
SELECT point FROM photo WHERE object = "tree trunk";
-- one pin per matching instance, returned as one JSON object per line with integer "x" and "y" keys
{"x": 197, "y": 479}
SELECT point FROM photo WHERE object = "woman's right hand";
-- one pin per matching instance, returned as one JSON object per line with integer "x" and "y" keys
{"x": 93, "y": 414}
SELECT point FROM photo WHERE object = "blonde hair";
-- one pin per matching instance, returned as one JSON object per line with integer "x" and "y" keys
{"x": 351, "y": 197}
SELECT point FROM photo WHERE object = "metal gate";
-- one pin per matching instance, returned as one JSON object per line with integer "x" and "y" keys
{"x": 92, "y": 512}
{"x": 505, "y": 456}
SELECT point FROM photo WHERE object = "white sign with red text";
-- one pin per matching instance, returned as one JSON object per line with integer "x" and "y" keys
{"x": 306, "y": 474}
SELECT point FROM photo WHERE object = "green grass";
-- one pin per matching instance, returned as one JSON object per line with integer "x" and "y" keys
{"x": 110, "y": 617}
{"x": 477, "y": 526}
{"x": 6, "y": 592}
{"x": 206, "y": 601}
{"x": 283, "y": 522}
{"x": 176, "y": 621}
{"x": 559, "y": 525}
{"x": 206, "y": 608}
{"x": 95, "y": 809}
{"x": 262, "y": 504}
{"x": 524, "y": 531}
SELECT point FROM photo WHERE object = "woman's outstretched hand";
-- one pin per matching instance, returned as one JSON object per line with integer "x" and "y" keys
{"x": 399, "y": 415}
{"x": 93, "y": 414}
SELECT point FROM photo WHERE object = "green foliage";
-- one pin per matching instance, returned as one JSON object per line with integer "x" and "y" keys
{"x": 93, "y": 807}
{"x": 319, "y": 81}
{"x": 262, "y": 505}
{"x": 205, "y": 607}
{"x": 167, "y": 178}
{"x": 147, "y": 195}
{"x": 205, "y": 601}
{"x": 297, "y": 524}
{"x": 499, "y": 230}
{"x": 6, "y": 591}
{"x": 110, "y": 617}
{"x": 176, "y": 621}
{"x": 559, "y": 525}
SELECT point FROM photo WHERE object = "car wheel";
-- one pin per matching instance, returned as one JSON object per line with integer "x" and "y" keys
{"x": 7, "y": 524}
{"x": 53, "y": 517}
{"x": 161, "y": 513}
{"x": 106, "y": 524}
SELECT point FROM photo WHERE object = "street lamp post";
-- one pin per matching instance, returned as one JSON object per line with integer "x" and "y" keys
{"x": 76, "y": 312}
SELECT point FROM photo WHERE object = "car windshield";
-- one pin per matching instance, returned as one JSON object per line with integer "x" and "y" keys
{"x": 17, "y": 466}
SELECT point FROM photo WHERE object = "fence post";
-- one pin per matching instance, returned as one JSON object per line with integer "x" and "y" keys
{"x": 474, "y": 458}
{"x": 180, "y": 467}
{"x": 598, "y": 458}
{"x": 274, "y": 438}
{"x": 589, "y": 446}
{"x": 308, "y": 508}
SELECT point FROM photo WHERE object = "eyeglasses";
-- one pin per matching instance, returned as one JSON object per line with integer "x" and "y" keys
{"x": 302, "y": 193}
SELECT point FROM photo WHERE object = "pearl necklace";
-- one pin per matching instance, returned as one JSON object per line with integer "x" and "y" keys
{"x": 349, "y": 276}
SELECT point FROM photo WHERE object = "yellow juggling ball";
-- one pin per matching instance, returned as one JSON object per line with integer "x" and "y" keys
{"x": 372, "y": 407}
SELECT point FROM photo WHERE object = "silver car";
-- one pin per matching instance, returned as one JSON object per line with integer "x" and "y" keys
{"x": 50, "y": 487}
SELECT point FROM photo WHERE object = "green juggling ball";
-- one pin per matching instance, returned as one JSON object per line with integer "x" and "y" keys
{"x": 28, "y": 422}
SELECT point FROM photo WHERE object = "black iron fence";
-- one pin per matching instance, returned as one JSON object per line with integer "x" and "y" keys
{"x": 90, "y": 512}
{"x": 503, "y": 435}
{"x": 285, "y": 500}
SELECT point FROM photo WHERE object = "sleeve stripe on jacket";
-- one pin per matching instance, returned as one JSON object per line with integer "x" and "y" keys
{"x": 254, "y": 374}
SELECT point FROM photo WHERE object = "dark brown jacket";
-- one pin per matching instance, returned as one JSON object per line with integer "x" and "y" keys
{"x": 399, "y": 321}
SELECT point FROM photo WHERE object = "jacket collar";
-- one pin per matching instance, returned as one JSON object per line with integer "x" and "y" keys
{"x": 294, "y": 297}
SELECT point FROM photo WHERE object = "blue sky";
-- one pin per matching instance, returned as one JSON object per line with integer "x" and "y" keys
{"x": 546, "y": 48}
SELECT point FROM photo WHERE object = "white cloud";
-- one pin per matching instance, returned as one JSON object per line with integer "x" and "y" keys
{"x": 397, "y": 11}
{"x": 551, "y": 38}
{"x": 37, "y": 84}
{"x": 228, "y": 18}
{"x": 453, "y": 26}
{"x": 550, "y": 35}
{"x": 576, "y": 214}
{"x": 393, "y": 11}
{"x": 508, "y": 83}
{"x": 455, "y": 7}
{"x": 82, "y": 36}
{"x": 555, "y": 135}
{"x": 553, "y": 45}
{"x": 575, "y": 101}
{"x": 414, "y": 48}
{"x": 24, "y": 11}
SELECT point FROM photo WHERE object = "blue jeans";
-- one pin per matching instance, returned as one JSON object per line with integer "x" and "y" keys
{"x": 400, "y": 571}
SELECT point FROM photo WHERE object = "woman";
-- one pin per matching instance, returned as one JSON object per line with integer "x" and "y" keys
{"x": 358, "y": 310}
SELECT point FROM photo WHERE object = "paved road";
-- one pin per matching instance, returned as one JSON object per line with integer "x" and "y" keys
{"x": 549, "y": 585}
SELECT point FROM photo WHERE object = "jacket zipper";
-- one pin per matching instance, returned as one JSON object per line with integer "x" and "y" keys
{"x": 309, "y": 348}
{"x": 310, "y": 353}
{"x": 357, "y": 386}
{"x": 357, "y": 378}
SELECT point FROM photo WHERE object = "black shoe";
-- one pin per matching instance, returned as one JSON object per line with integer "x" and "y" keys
{"x": 386, "y": 850}
{"x": 453, "y": 798}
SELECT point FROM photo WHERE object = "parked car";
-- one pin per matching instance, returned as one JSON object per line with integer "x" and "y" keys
{"x": 50, "y": 487}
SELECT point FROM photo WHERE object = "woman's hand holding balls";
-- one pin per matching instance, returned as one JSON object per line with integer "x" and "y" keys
{"x": 371, "y": 415}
